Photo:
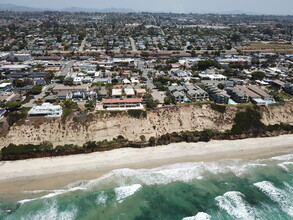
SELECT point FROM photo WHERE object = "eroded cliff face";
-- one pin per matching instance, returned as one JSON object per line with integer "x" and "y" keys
{"x": 278, "y": 114}
{"x": 157, "y": 123}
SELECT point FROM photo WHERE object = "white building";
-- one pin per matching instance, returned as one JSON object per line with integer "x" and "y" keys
{"x": 46, "y": 110}
{"x": 14, "y": 67}
{"x": 212, "y": 78}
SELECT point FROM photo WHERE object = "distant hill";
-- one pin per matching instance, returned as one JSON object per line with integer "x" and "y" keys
{"x": 105, "y": 10}
{"x": 11, "y": 7}
{"x": 238, "y": 12}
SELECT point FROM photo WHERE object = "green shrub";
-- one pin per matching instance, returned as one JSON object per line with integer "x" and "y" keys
{"x": 247, "y": 121}
{"x": 218, "y": 108}
{"x": 152, "y": 141}
{"x": 137, "y": 113}
{"x": 16, "y": 116}
{"x": 13, "y": 149}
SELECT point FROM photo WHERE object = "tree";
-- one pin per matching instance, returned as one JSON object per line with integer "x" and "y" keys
{"x": 258, "y": 75}
{"x": 142, "y": 138}
{"x": 152, "y": 141}
{"x": 150, "y": 102}
{"x": 12, "y": 106}
{"x": 220, "y": 86}
{"x": 205, "y": 64}
{"x": 36, "y": 90}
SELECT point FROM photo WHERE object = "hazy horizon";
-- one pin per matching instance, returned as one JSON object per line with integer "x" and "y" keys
{"x": 281, "y": 7}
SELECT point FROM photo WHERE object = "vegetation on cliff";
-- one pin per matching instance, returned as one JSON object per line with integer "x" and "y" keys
{"x": 247, "y": 123}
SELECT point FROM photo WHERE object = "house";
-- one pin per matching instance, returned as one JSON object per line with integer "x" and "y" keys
{"x": 140, "y": 92}
{"x": 263, "y": 94}
{"x": 103, "y": 92}
{"x": 14, "y": 67}
{"x": 195, "y": 93}
{"x": 59, "y": 87}
{"x": 211, "y": 78}
{"x": 218, "y": 95}
{"x": 20, "y": 57}
{"x": 63, "y": 95}
{"x": 4, "y": 87}
{"x": 129, "y": 92}
{"x": 257, "y": 95}
{"x": 126, "y": 74}
{"x": 46, "y": 110}
{"x": 51, "y": 98}
{"x": 116, "y": 93}
{"x": 122, "y": 104}
{"x": 278, "y": 84}
{"x": 179, "y": 96}
{"x": 288, "y": 87}
{"x": 237, "y": 95}
{"x": 29, "y": 75}
{"x": 251, "y": 94}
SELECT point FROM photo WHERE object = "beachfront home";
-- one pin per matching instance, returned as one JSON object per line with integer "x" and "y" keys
{"x": 237, "y": 95}
{"x": 122, "y": 104}
{"x": 4, "y": 87}
{"x": 288, "y": 87}
{"x": 218, "y": 95}
{"x": 46, "y": 110}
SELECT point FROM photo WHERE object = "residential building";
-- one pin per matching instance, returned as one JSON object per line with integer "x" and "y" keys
{"x": 218, "y": 95}
{"x": 237, "y": 95}
{"x": 179, "y": 96}
{"x": 288, "y": 87}
{"x": 265, "y": 96}
{"x": 122, "y": 104}
{"x": 46, "y": 110}
{"x": 4, "y": 87}
{"x": 116, "y": 93}
{"x": 195, "y": 93}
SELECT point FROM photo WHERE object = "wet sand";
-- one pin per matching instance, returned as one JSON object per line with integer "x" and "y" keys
{"x": 56, "y": 173}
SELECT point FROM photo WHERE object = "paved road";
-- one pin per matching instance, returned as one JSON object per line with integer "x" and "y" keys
{"x": 40, "y": 96}
{"x": 66, "y": 68}
{"x": 149, "y": 81}
{"x": 81, "y": 48}
{"x": 132, "y": 44}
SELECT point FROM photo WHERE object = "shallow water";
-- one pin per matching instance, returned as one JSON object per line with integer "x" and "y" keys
{"x": 229, "y": 189}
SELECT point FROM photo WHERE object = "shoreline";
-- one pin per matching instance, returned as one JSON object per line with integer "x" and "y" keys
{"x": 58, "y": 172}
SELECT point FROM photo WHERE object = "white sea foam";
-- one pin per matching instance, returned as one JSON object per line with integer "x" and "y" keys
{"x": 184, "y": 172}
{"x": 234, "y": 204}
{"x": 285, "y": 165}
{"x": 277, "y": 195}
{"x": 51, "y": 211}
{"x": 199, "y": 216}
{"x": 101, "y": 199}
{"x": 125, "y": 191}
{"x": 52, "y": 194}
{"x": 283, "y": 157}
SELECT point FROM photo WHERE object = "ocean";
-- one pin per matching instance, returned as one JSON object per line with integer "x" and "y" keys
{"x": 227, "y": 189}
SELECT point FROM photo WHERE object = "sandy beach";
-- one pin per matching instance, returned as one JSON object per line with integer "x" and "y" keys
{"x": 54, "y": 173}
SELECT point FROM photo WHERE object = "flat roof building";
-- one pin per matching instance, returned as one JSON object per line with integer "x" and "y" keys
{"x": 46, "y": 110}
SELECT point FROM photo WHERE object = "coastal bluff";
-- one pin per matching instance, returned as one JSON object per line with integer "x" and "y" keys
{"x": 157, "y": 122}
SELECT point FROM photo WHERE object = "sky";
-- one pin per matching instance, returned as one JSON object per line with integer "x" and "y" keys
{"x": 284, "y": 7}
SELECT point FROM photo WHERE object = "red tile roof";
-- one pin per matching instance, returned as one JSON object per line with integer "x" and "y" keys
{"x": 126, "y": 100}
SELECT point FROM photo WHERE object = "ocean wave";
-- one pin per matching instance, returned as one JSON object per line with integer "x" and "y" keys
{"x": 199, "y": 216}
{"x": 52, "y": 194}
{"x": 125, "y": 191}
{"x": 101, "y": 199}
{"x": 234, "y": 204}
{"x": 184, "y": 172}
{"x": 283, "y": 157}
{"x": 277, "y": 195}
{"x": 284, "y": 165}
{"x": 51, "y": 211}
